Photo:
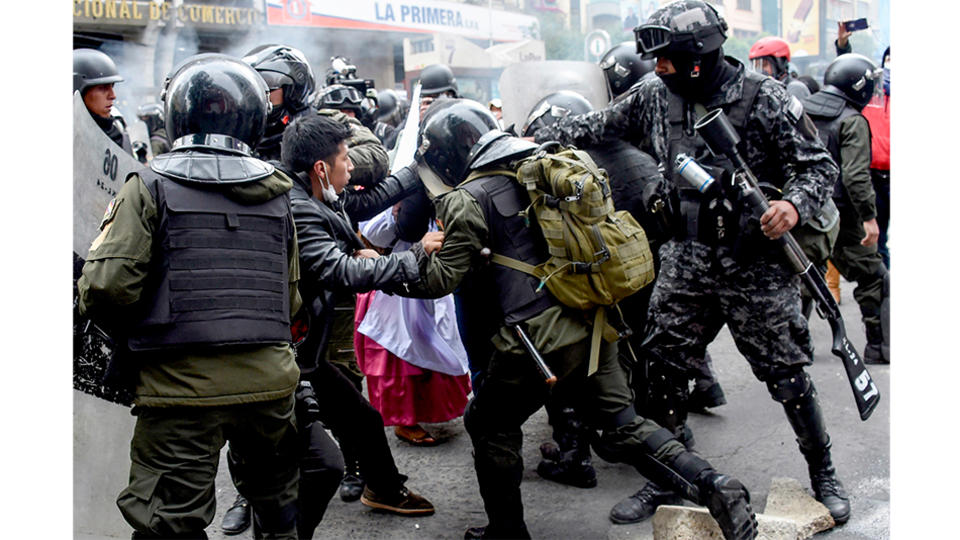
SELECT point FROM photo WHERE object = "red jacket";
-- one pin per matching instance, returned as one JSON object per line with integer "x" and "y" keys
{"x": 879, "y": 120}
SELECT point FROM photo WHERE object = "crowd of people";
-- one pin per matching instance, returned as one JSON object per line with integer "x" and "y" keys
{"x": 280, "y": 248}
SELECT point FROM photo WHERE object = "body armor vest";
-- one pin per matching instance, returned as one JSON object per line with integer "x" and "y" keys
{"x": 221, "y": 274}
{"x": 718, "y": 218}
{"x": 828, "y": 111}
{"x": 501, "y": 199}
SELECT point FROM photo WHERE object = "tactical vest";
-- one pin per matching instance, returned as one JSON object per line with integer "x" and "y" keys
{"x": 828, "y": 111}
{"x": 219, "y": 272}
{"x": 719, "y": 218}
{"x": 502, "y": 198}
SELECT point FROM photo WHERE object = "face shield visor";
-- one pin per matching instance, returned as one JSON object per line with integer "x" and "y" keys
{"x": 879, "y": 99}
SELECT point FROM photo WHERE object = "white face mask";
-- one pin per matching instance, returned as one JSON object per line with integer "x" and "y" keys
{"x": 329, "y": 194}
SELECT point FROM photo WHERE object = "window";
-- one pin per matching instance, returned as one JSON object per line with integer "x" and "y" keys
{"x": 744, "y": 5}
{"x": 422, "y": 45}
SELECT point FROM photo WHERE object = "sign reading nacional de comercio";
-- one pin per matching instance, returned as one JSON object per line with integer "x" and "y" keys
{"x": 142, "y": 11}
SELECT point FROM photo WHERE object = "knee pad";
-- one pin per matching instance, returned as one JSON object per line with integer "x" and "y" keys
{"x": 786, "y": 386}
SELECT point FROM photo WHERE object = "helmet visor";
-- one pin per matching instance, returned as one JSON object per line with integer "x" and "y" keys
{"x": 274, "y": 79}
{"x": 651, "y": 38}
{"x": 879, "y": 96}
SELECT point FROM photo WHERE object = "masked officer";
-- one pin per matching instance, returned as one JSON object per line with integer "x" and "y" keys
{"x": 771, "y": 56}
{"x": 849, "y": 83}
{"x": 94, "y": 74}
{"x": 460, "y": 136}
{"x": 197, "y": 266}
{"x": 721, "y": 266}
{"x": 369, "y": 157}
{"x": 290, "y": 78}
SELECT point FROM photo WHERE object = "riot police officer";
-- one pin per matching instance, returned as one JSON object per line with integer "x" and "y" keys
{"x": 345, "y": 104}
{"x": 435, "y": 81}
{"x": 94, "y": 74}
{"x": 290, "y": 78}
{"x": 721, "y": 266}
{"x": 206, "y": 322}
{"x": 623, "y": 68}
{"x": 457, "y": 138}
{"x": 771, "y": 56}
{"x": 151, "y": 114}
{"x": 849, "y": 83}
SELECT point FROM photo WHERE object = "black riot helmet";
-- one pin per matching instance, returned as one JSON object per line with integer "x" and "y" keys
{"x": 623, "y": 67}
{"x": 437, "y": 79}
{"x": 91, "y": 68}
{"x": 449, "y": 131}
{"x": 554, "y": 107}
{"x": 389, "y": 111}
{"x": 151, "y": 114}
{"x": 216, "y": 101}
{"x": 684, "y": 26}
{"x": 856, "y": 76}
{"x": 286, "y": 68}
{"x": 369, "y": 108}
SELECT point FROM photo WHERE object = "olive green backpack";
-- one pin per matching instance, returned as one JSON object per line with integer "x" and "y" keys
{"x": 598, "y": 256}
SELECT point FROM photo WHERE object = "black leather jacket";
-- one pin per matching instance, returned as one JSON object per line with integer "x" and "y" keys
{"x": 327, "y": 240}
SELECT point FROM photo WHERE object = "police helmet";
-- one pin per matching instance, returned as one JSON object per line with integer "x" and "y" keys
{"x": 554, "y": 107}
{"x": 389, "y": 107}
{"x": 151, "y": 114}
{"x": 776, "y": 50}
{"x": 856, "y": 76}
{"x": 684, "y": 26}
{"x": 623, "y": 67}
{"x": 437, "y": 79}
{"x": 214, "y": 100}
{"x": 450, "y": 129}
{"x": 369, "y": 108}
{"x": 287, "y": 68}
{"x": 91, "y": 68}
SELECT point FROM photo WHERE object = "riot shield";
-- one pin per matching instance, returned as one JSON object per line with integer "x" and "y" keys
{"x": 99, "y": 170}
{"x": 522, "y": 85}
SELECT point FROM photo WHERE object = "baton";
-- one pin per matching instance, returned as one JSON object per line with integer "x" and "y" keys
{"x": 542, "y": 366}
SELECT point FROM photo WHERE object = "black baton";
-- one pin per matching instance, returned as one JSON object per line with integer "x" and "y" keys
{"x": 542, "y": 366}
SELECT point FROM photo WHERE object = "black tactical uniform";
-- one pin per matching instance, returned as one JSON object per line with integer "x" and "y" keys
{"x": 720, "y": 269}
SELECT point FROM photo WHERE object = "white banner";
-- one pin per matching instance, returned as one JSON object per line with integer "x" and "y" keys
{"x": 427, "y": 16}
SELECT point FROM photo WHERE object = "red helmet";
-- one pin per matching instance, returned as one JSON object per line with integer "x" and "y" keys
{"x": 770, "y": 46}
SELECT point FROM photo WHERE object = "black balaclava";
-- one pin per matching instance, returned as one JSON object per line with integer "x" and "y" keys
{"x": 713, "y": 72}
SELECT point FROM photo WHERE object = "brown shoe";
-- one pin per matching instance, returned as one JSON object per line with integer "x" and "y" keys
{"x": 403, "y": 502}
{"x": 415, "y": 435}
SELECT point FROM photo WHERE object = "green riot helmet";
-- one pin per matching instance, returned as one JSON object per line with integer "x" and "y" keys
{"x": 216, "y": 101}
{"x": 684, "y": 26}
{"x": 554, "y": 107}
{"x": 91, "y": 68}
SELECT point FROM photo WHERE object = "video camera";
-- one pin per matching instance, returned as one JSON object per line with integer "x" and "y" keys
{"x": 345, "y": 73}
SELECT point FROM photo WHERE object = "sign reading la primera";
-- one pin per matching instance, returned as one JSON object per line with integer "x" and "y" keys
{"x": 428, "y": 16}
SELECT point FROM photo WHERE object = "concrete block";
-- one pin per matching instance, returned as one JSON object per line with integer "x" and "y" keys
{"x": 789, "y": 499}
{"x": 686, "y": 523}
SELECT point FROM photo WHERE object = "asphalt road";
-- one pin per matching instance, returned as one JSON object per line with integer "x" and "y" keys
{"x": 748, "y": 438}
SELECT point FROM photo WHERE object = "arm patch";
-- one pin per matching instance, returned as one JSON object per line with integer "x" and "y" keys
{"x": 794, "y": 109}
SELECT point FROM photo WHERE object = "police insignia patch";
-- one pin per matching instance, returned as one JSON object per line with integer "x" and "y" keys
{"x": 108, "y": 214}
{"x": 794, "y": 109}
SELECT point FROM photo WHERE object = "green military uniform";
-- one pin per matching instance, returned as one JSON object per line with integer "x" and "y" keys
{"x": 191, "y": 400}
{"x": 512, "y": 389}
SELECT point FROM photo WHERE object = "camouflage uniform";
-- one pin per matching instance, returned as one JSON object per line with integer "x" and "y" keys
{"x": 695, "y": 276}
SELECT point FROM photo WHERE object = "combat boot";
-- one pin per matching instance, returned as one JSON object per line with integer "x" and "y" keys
{"x": 729, "y": 503}
{"x": 795, "y": 391}
{"x": 641, "y": 505}
{"x": 573, "y": 468}
{"x": 351, "y": 487}
{"x": 827, "y": 488}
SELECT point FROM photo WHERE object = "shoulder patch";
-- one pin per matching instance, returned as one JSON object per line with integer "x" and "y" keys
{"x": 794, "y": 109}
{"x": 109, "y": 213}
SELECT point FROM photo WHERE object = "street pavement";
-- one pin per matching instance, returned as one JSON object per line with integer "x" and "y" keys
{"x": 748, "y": 438}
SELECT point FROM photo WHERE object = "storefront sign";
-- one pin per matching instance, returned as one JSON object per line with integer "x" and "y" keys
{"x": 427, "y": 16}
{"x": 117, "y": 10}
